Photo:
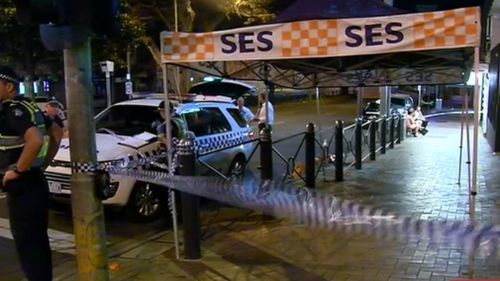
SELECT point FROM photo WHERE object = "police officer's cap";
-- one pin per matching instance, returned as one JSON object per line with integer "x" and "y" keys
{"x": 55, "y": 103}
{"x": 8, "y": 74}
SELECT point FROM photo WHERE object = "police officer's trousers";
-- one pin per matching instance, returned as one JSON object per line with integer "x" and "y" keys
{"x": 28, "y": 201}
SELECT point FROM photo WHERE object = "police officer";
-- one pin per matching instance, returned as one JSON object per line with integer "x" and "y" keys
{"x": 178, "y": 126}
{"x": 28, "y": 142}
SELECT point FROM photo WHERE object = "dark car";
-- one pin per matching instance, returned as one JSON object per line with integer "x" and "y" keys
{"x": 399, "y": 104}
{"x": 371, "y": 110}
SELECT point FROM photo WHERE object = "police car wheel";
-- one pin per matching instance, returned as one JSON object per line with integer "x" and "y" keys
{"x": 237, "y": 168}
{"x": 145, "y": 203}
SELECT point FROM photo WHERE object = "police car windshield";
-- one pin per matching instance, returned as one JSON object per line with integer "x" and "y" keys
{"x": 128, "y": 120}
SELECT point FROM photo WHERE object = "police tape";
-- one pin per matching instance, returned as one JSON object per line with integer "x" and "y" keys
{"x": 320, "y": 210}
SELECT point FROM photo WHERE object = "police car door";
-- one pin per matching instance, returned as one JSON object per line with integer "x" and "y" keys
{"x": 212, "y": 130}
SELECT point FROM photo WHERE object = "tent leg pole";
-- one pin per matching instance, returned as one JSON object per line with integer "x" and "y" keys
{"x": 475, "y": 143}
{"x": 467, "y": 132}
{"x": 359, "y": 111}
{"x": 461, "y": 136}
{"x": 476, "y": 122}
{"x": 171, "y": 193}
{"x": 318, "y": 113}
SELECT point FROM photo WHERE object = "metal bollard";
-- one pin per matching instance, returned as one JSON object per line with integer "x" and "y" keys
{"x": 373, "y": 139}
{"x": 383, "y": 135}
{"x": 310, "y": 154}
{"x": 266, "y": 155}
{"x": 391, "y": 132}
{"x": 400, "y": 125}
{"x": 358, "y": 143}
{"x": 190, "y": 203}
{"x": 339, "y": 150}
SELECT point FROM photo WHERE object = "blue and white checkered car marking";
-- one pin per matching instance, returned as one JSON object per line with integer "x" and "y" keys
{"x": 214, "y": 142}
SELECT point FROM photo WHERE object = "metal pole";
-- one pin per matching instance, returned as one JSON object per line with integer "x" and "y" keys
{"x": 339, "y": 150}
{"x": 384, "y": 97}
{"x": 166, "y": 99}
{"x": 266, "y": 155}
{"x": 359, "y": 111}
{"x": 128, "y": 63}
{"x": 391, "y": 132}
{"x": 176, "y": 17}
{"x": 310, "y": 153}
{"x": 108, "y": 88}
{"x": 88, "y": 220}
{"x": 476, "y": 122}
{"x": 373, "y": 141}
{"x": 473, "y": 189}
{"x": 128, "y": 78}
{"x": 419, "y": 95}
{"x": 266, "y": 80}
{"x": 473, "y": 186}
{"x": 358, "y": 143}
{"x": 460, "y": 146}
{"x": 383, "y": 135}
{"x": 318, "y": 111}
{"x": 190, "y": 203}
{"x": 400, "y": 128}
{"x": 467, "y": 131}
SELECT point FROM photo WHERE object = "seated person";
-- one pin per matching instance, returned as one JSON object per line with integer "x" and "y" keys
{"x": 411, "y": 123}
{"x": 420, "y": 118}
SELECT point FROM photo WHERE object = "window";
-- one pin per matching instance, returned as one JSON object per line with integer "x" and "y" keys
{"x": 128, "y": 120}
{"x": 206, "y": 121}
{"x": 235, "y": 113}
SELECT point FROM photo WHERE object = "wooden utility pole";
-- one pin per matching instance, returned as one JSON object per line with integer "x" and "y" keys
{"x": 88, "y": 220}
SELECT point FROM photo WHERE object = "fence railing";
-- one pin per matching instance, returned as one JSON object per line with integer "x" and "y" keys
{"x": 307, "y": 155}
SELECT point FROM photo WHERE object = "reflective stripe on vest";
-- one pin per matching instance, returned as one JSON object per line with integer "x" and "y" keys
{"x": 14, "y": 142}
{"x": 10, "y": 142}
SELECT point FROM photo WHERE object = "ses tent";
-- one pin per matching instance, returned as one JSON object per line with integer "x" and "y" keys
{"x": 327, "y": 43}
{"x": 336, "y": 43}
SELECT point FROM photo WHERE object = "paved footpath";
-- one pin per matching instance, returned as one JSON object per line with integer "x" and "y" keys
{"x": 417, "y": 178}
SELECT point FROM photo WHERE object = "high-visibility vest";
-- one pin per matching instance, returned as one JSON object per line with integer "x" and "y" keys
{"x": 181, "y": 124}
{"x": 8, "y": 142}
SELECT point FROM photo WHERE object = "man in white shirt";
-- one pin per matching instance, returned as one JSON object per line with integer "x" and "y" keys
{"x": 244, "y": 111}
{"x": 265, "y": 113}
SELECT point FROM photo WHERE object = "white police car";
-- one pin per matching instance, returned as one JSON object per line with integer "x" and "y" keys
{"x": 124, "y": 130}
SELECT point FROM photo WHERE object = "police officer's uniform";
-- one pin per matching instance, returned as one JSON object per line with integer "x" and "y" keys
{"x": 178, "y": 127}
{"x": 27, "y": 196}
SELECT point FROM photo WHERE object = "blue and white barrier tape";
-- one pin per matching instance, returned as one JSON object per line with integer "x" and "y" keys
{"x": 320, "y": 210}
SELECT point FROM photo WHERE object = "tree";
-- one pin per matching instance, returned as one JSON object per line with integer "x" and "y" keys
{"x": 22, "y": 49}
{"x": 132, "y": 30}
{"x": 252, "y": 11}
{"x": 193, "y": 15}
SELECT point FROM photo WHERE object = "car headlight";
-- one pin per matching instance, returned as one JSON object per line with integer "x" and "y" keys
{"x": 104, "y": 188}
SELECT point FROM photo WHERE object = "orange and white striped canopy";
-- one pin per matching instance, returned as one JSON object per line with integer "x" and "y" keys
{"x": 456, "y": 28}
